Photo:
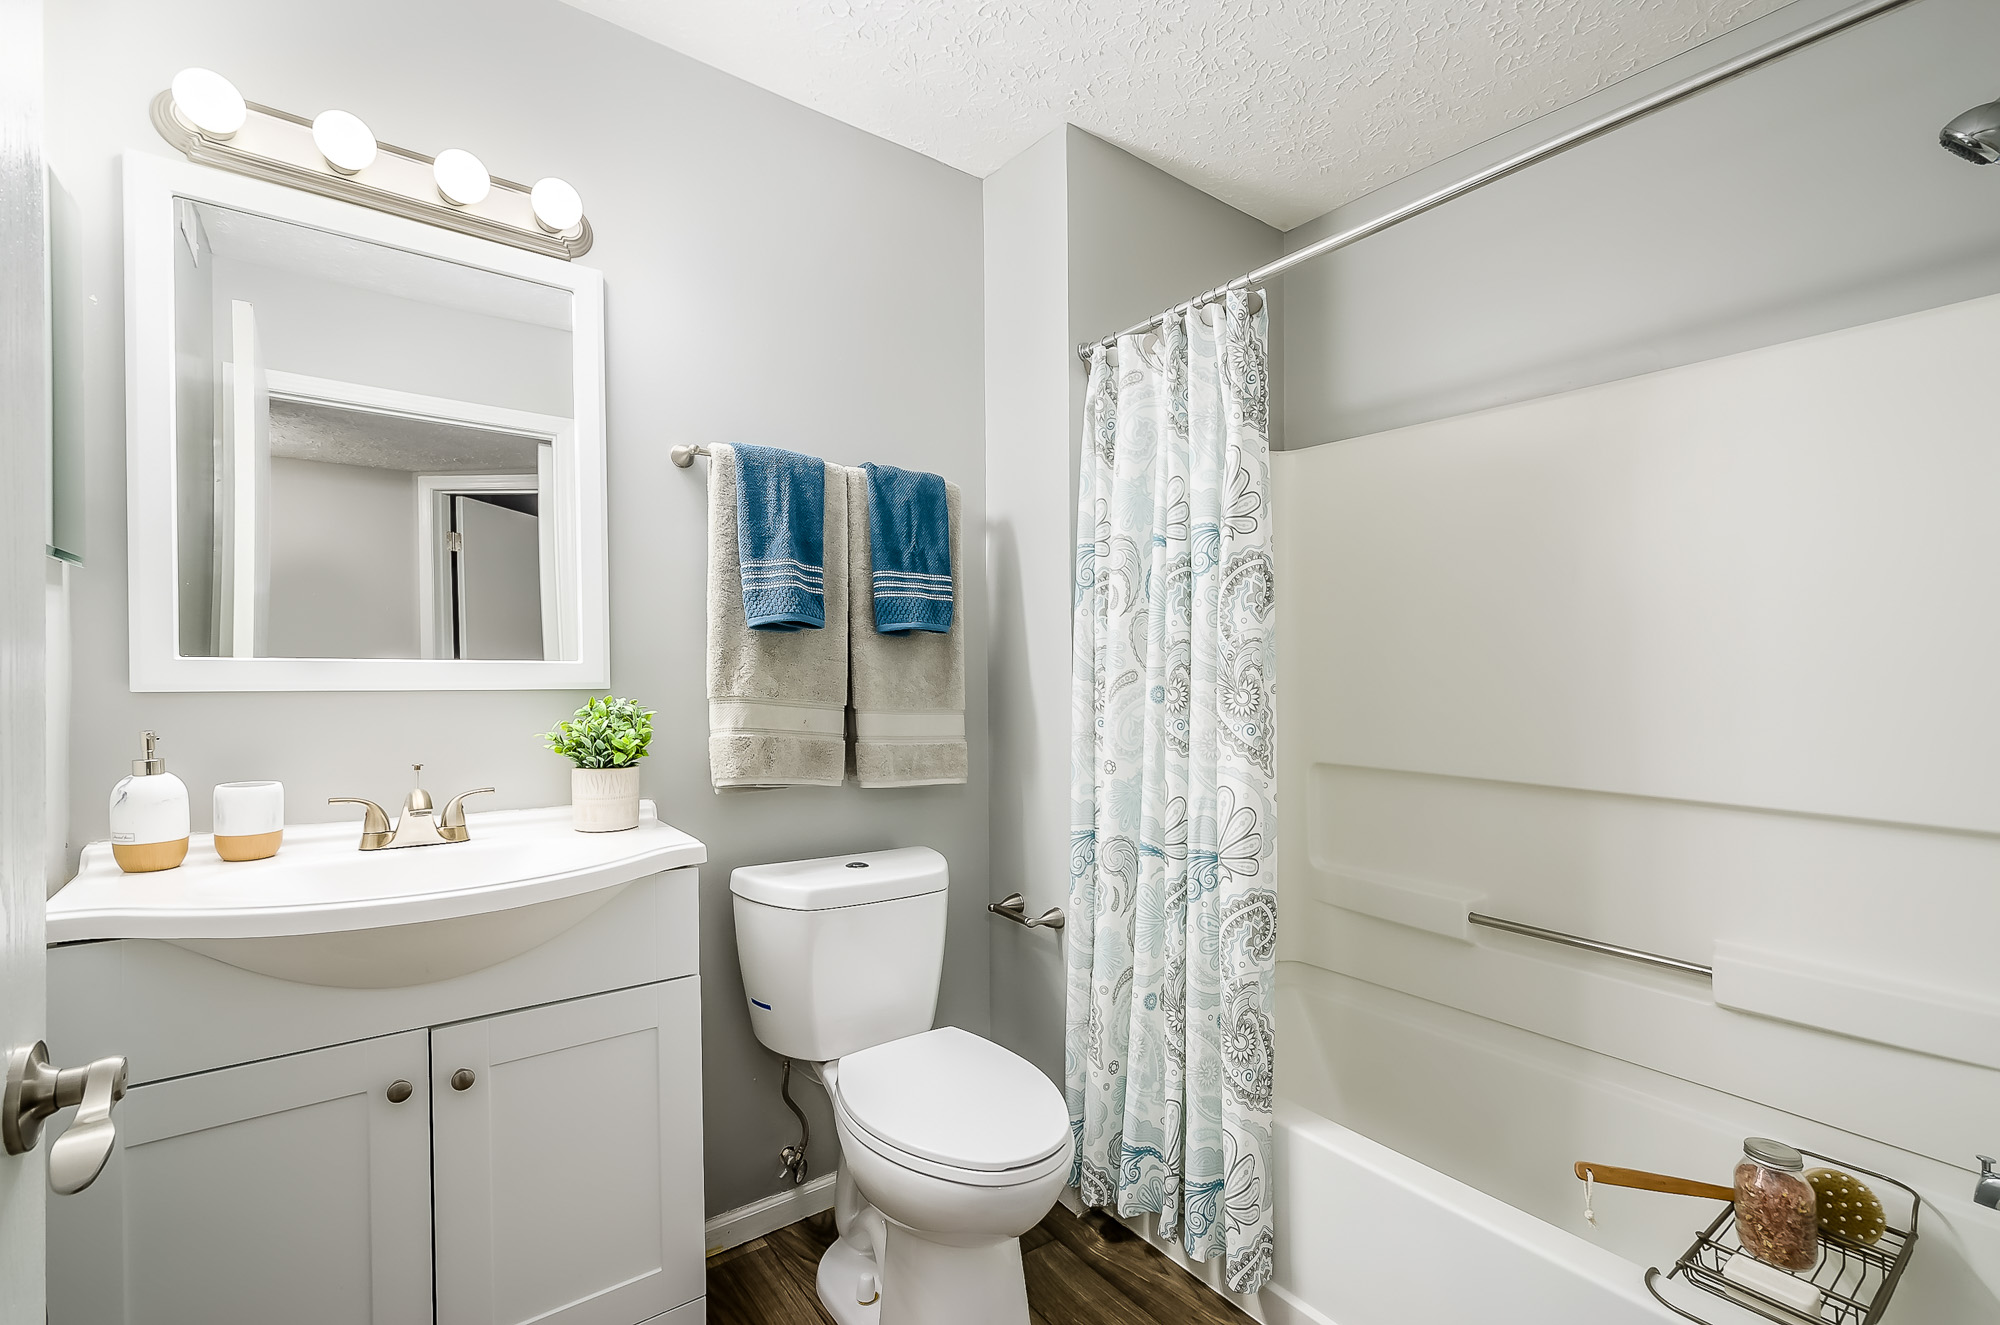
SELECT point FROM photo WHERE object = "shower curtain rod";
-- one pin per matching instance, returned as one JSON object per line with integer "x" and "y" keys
{"x": 1583, "y": 133}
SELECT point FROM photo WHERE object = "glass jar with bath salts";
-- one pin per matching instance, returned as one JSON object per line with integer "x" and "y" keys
{"x": 1777, "y": 1219}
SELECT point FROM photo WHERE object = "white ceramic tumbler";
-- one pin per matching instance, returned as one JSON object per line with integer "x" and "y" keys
{"x": 249, "y": 819}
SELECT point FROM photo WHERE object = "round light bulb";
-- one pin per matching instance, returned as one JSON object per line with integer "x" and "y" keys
{"x": 461, "y": 180}
{"x": 558, "y": 206}
{"x": 345, "y": 142}
{"x": 208, "y": 103}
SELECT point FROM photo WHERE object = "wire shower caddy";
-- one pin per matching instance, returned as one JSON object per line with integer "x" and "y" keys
{"x": 1857, "y": 1279}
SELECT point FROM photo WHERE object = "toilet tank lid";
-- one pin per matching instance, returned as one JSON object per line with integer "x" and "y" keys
{"x": 852, "y": 880}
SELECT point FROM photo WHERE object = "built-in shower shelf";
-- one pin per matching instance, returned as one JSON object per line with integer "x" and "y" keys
{"x": 1946, "y": 1023}
{"x": 1435, "y": 908}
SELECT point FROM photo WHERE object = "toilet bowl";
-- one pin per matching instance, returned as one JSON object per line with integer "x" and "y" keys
{"x": 951, "y": 1146}
{"x": 962, "y": 1147}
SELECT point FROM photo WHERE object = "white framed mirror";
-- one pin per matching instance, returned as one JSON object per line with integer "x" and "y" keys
{"x": 362, "y": 453}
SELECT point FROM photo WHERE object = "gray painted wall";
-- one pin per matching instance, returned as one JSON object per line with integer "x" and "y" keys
{"x": 1141, "y": 240}
{"x": 1082, "y": 239}
{"x": 197, "y": 374}
{"x": 343, "y": 539}
{"x": 771, "y": 276}
{"x": 327, "y": 329}
{"x": 1807, "y": 196}
{"x": 1029, "y": 479}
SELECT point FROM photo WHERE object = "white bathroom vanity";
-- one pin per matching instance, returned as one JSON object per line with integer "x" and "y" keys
{"x": 460, "y": 1083}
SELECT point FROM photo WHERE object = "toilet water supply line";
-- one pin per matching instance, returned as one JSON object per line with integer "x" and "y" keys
{"x": 858, "y": 1224}
{"x": 794, "y": 1157}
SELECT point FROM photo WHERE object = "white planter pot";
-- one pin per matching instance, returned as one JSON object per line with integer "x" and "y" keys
{"x": 604, "y": 800}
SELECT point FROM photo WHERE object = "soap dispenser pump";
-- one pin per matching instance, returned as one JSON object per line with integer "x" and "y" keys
{"x": 149, "y": 815}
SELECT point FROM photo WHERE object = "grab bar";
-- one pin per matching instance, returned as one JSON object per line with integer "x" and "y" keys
{"x": 1593, "y": 945}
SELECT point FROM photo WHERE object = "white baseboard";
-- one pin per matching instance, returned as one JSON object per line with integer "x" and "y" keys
{"x": 733, "y": 1228}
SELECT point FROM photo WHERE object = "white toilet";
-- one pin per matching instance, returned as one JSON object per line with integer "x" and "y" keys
{"x": 951, "y": 1146}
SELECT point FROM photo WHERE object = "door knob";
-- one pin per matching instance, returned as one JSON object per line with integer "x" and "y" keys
{"x": 35, "y": 1090}
{"x": 399, "y": 1091}
{"x": 463, "y": 1079}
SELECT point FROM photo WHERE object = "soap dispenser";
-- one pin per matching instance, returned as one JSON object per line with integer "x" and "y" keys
{"x": 149, "y": 815}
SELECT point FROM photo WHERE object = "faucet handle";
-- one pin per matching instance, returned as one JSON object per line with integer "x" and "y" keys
{"x": 1986, "y": 1163}
{"x": 374, "y": 823}
{"x": 451, "y": 824}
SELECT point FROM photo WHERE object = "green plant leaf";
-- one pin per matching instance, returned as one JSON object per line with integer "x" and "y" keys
{"x": 604, "y": 733}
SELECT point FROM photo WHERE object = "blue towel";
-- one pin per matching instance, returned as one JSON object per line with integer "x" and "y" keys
{"x": 781, "y": 538}
{"x": 909, "y": 541}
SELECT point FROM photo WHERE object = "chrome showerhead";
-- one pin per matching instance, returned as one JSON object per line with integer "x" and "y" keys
{"x": 1975, "y": 135}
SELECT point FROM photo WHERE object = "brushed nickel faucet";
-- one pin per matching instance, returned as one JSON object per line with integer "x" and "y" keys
{"x": 1987, "y": 1193}
{"x": 416, "y": 826}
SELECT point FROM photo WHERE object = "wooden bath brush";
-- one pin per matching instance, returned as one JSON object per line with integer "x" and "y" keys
{"x": 1653, "y": 1182}
{"x": 1847, "y": 1208}
{"x": 1612, "y": 1176}
{"x": 1846, "y": 1205}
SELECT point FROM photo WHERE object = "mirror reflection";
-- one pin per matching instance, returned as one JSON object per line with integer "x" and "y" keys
{"x": 371, "y": 449}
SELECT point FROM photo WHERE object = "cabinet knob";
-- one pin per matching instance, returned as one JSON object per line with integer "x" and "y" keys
{"x": 463, "y": 1079}
{"x": 399, "y": 1091}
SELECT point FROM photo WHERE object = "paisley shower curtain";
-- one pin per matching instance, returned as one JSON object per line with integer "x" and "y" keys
{"x": 1173, "y": 888}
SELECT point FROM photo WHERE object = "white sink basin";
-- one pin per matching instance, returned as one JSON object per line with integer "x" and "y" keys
{"x": 324, "y": 912}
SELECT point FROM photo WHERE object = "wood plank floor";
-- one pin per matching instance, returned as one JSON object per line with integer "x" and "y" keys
{"x": 1081, "y": 1271}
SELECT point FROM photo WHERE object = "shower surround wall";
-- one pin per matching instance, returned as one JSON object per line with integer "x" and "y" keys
{"x": 771, "y": 276}
{"x": 1687, "y": 657}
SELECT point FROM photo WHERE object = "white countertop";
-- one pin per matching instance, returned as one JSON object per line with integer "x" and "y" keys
{"x": 322, "y": 883}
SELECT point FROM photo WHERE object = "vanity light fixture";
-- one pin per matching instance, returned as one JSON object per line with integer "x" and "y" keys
{"x": 345, "y": 142}
{"x": 461, "y": 177}
{"x": 558, "y": 207}
{"x": 206, "y": 119}
{"x": 208, "y": 103}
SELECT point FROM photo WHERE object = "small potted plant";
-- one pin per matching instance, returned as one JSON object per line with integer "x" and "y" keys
{"x": 605, "y": 740}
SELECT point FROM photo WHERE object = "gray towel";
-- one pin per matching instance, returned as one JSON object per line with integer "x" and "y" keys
{"x": 775, "y": 698}
{"x": 907, "y": 691}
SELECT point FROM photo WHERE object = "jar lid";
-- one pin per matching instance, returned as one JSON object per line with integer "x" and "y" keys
{"x": 1773, "y": 1154}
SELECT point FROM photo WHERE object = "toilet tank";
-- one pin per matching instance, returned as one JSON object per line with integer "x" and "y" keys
{"x": 842, "y": 953}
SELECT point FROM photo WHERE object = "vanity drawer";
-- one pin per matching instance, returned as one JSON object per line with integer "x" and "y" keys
{"x": 172, "y": 1012}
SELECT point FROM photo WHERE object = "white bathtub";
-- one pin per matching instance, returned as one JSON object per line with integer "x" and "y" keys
{"x": 1423, "y": 1175}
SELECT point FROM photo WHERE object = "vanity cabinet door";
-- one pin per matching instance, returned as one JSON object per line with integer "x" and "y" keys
{"x": 291, "y": 1189}
{"x": 567, "y": 1145}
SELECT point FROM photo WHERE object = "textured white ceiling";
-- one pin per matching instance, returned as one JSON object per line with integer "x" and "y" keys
{"x": 1283, "y": 108}
{"x": 309, "y": 430}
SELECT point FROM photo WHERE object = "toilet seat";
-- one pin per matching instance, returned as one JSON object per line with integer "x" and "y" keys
{"x": 955, "y": 1106}
{"x": 854, "y": 1136}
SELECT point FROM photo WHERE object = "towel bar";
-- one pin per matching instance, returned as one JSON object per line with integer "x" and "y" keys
{"x": 683, "y": 456}
{"x": 1014, "y": 907}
